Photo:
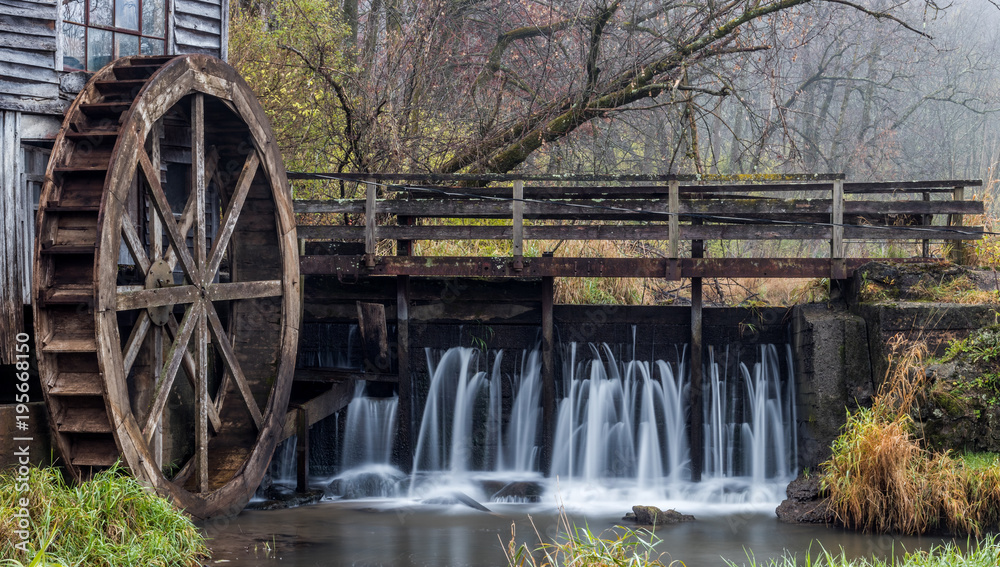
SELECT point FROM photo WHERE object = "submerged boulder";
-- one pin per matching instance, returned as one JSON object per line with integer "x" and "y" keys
{"x": 805, "y": 503}
{"x": 653, "y": 516}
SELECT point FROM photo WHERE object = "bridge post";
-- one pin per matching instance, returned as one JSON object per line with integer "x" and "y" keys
{"x": 696, "y": 434}
{"x": 957, "y": 254}
{"x": 548, "y": 371}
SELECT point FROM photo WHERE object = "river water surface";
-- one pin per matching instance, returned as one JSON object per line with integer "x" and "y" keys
{"x": 400, "y": 533}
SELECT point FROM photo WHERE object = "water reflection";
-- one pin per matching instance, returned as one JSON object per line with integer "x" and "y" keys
{"x": 405, "y": 533}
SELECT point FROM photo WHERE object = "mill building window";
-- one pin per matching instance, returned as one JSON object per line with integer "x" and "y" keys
{"x": 97, "y": 31}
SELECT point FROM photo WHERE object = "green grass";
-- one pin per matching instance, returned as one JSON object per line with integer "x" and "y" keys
{"x": 111, "y": 521}
{"x": 984, "y": 553}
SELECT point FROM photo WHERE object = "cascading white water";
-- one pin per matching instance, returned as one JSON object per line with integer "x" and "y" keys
{"x": 370, "y": 430}
{"x": 453, "y": 435}
{"x": 620, "y": 420}
{"x": 369, "y": 434}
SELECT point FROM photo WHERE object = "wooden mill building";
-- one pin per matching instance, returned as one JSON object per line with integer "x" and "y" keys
{"x": 48, "y": 50}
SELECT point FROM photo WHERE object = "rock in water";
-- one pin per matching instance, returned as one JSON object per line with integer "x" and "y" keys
{"x": 805, "y": 504}
{"x": 653, "y": 516}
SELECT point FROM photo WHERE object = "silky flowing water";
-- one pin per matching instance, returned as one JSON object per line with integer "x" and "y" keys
{"x": 620, "y": 439}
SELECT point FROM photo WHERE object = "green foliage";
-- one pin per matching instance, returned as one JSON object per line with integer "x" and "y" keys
{"x": 981, "y": 346}
{"x": 270, "y": 46}
{"x": 984, "y": 553}
{"x": 110, "y": 521}
{"x": 578, "y": 546}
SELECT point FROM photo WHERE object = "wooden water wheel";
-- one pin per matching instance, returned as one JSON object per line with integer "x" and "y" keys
{"x": 166, "y": 282}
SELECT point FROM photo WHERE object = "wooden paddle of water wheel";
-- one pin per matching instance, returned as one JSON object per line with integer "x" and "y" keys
{"x": 166, "y": 282}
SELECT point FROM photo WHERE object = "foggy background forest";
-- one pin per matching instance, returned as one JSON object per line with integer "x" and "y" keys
{"x": 450, "y": 85}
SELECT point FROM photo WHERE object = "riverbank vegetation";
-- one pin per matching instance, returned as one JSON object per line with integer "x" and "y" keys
{"x": 111, "y": 521}
{"x": 984, "y": 553}
{"x": 882, "y": 478}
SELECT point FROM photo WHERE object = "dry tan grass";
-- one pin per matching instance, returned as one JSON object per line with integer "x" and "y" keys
{"x": 880, "y": 478}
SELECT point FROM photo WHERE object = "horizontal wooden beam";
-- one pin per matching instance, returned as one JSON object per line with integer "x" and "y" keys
{"x": 353, "y": 266}
{"x": 641, "y": 232}
{"x": 638, "y": 209}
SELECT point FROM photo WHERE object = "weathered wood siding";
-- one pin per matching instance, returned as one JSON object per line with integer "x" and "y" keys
{"x": 16, "y": 228}
{"x": 28, "y": 46}
{"x": 200, "y": 26}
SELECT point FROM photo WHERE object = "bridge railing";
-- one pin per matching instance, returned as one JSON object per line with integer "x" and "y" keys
{"x": 672, "y": 210}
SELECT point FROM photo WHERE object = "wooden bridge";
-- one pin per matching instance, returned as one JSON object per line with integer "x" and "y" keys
{"x": 682, "y": 212}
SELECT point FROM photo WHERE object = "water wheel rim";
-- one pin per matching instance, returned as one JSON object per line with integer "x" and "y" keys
{"x": 192, "y": 78}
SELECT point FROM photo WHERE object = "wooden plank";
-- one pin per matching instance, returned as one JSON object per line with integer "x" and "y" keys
{"x": 351, "y": 266}
{"x": 197, "y": 23}
{"x": 791, "y": 231}
{"x": 198, "y": 8}
{"x": 644, "y": 209}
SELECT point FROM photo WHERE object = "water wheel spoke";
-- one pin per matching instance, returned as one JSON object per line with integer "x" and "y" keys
{"x": 162, "y": 206}
{"x": 232, "y": 215}
{"x": 134, "y": 243}
{"x": 244, "y": 290}
{"x": 198, "y": 184}
{"x": 135, "y": 340}
{"x": 131, "y": 298}
{"x": 202, "y": 400}
{"x": 169, "y": 371}
{"x": 190, "y": 371}
{"x": 225, "y": 347}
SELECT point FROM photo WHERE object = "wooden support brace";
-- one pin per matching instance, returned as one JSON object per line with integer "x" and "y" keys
{"x": 302, "y": 451}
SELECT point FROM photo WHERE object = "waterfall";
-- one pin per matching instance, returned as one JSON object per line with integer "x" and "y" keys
{"x": 370, "y": 430}
{"x": 369, "y": 434}
{"x": 462, "y": 428}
